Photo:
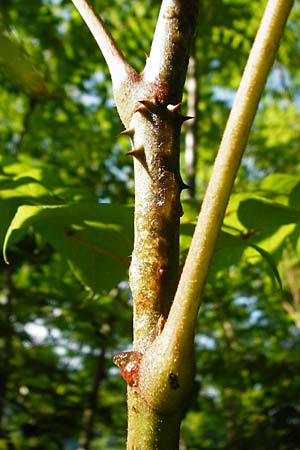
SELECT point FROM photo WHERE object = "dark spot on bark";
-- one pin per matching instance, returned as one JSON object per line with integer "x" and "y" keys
{"x": 173, "y": 381}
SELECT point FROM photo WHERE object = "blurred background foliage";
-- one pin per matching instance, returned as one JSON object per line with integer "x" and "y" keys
{"x": 66, "y": 188}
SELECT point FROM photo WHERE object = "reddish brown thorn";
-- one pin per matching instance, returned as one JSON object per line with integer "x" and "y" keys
{"x": 137, "y": 152}
{"x": 142, "y": 109}
{"x": 127, "y": 132}
{"x": 174, "y": 108}
{"x": 149, "y": 105}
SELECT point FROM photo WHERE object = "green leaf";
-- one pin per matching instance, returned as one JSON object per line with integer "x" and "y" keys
{"x": 236, "y": 244}
{"x": 20, "y": 69}
{"x": 262, "y": 213}
{"x": 16, "y": 191}
{"x": 271, "y": 262}
{"x": 294, "y": 198}
{"x": 229, "y": 248}
{"x": 96, "y": 240}
{"x": 279, "y": 183}
{"x": 26, "y": 188}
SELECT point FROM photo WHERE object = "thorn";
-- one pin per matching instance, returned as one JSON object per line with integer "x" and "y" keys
{"x": 142, "y": 109}
{"x": 185, "y": 118}
{"x": 127, "y": 132}
{"x": 174, "y": 108}
{"x": 183, "y": 185}
{"x": 149, "y": 105}
{"x": 181, "y": 212}
{"x": 138, "y": 152}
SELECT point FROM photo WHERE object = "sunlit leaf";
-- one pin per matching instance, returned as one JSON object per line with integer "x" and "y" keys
{"x": 263, "y": 213}
{"x": 96, "y": 240}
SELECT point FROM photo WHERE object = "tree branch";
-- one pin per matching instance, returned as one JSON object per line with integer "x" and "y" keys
{"x": 115, "y": 61}
{"x": 261, "y": 58}
{"x": 171, "y": 352}
{"x": 171, "y": 45}
{"x": 124, "y": 77}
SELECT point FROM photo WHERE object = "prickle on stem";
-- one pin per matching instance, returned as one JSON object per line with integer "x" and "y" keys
{"x": 127, "y": 132}
{"x": 174, "y": 108}
{"x": 138, "y": 152}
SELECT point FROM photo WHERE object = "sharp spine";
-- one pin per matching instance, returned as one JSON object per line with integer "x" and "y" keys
{"x": 148, "y": 105}
{"x": 142, "y": 109}
{"x": 183, "y": 185}
{"x": 185, "y": 118}
{"x": 138, "y": 152}
{"x": 174, "y": 108}
{"x": 128, "y": 132}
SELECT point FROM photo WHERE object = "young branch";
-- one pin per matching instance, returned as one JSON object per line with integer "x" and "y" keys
{"x": 171, "y": 46}
{"x": 115, "y": 61}
{"x": 261, "y": 58}
{"x": 124, "y": 77}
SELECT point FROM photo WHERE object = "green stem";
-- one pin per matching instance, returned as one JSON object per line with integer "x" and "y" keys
{"x": 124, "y": 77}
{"x": 114, "y": 59}
{"x": 150, "y": 430}
{"x": 188, "y": 296}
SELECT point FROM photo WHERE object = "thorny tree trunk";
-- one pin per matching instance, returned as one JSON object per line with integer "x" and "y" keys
{"x": 159, "y": 371}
